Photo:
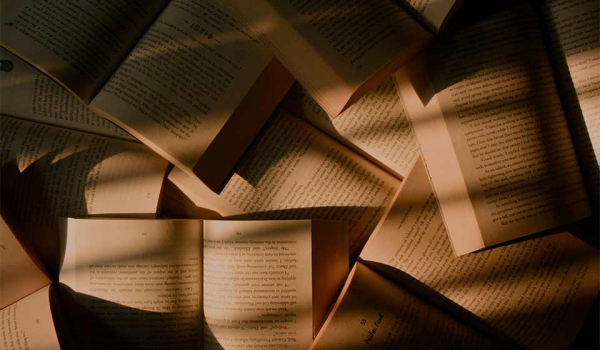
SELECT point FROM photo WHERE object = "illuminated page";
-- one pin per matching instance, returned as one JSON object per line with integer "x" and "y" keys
{"x": 78, "y": 44}
{"x": 338, "y": 50}
{"x": 258, "y": 284}
{"x": 28, "y": 323}
{"x": 374, "y": 313}
{"x": 574, "y": 30}
{"x": 49, "y": 172}
{"x": 29, "y": 94}
{"x": 293, "y": 171}
{"x": 536, "y": 293}
{"x": 20, "y": 275}
{"x": 493, "y": 134}
{"x": 182, "y": 83}
{"x": 134, "y": 283}
{"x": 376, "y": 126}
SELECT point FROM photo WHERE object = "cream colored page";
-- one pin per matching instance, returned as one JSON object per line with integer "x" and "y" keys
{"x": 509, "y": 134}
{"x": 428, "y": 124}
{"x": 28, "y": 324}
{"x": 574, "y": 30}
{"x": 19, "y": 274}
{"x": 137, "y": 282}
{"x": 257, "y": 284}
{"x": 375, "y": 126}
{"x": 183, "y": 80}
{"x": 536, "y": 293}
{"x": 29, "y": 94}
{"x": 431, "y": 12}
{"x": 374, "y": 313}
{"x": 49, "y": 172}
{"x": 79, "y": 44}
{"x": 333, "y": 47}
{"x": 295, "y": 172}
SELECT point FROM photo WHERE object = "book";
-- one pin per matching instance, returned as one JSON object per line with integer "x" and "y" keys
{"x": 534, "y": 294}
{"x": 292, "y": 171}
{"x": 29, "y": 94}
{"x": 374, "y": 313}
{"x": 207, "y": 284}
{"x": 200, "y": 283}
{"x": 26, "y": 294}
{"x": 178, "y": 75}
{"x": 491, "y": 126}
{"x": 49, "y": 171}
{"x": 376, "y": 126}
{"x": 340, "y": 50}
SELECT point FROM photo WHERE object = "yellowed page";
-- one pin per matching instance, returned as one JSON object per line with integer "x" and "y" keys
{"x": 29, "y": 94}
{"x": 28, "y": 324}
{"x": 134, "y": 283}
{"x": 295, "y": 172}
{"x": 500, "y": 123}
{"x": 338, "y": 50}
{"x": 49, "y": 171}
{"x": 376, "y": 126}
{"x": 574, "y": 29}
{"x": 374, "y": 313}
{"x": 183, "y": 80}
{"x": 20, "y": 275}
{"x": 78, "y": 44}
{"x": 258, "y": 284}
{"x": 537, "y": 293}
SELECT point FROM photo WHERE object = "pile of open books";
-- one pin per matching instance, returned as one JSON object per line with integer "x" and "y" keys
{"x": 293, "y": 174}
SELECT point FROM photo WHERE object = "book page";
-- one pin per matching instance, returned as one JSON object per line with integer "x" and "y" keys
{"x": 20, "y": 274}
{"x": 49, "y": 172}
{"x": 293, "y": 171}
{"x": 500, "y": 132}
{"x": 78, "y": 44}
{"x": 536, "y": 293}
{"x": 574, "y": 29}
{"x": 258, "y": 284}
{"x": 28, "y": 323}
{"x": 29, "y": 94}
{"x": 376, "y": 126}
{"x": 338, "y": 50}
{"x": 373, "y": 313}
{"x": 133, "y": 283}
{"x": 184, "y": 80}
{"x": 433, "y": 13}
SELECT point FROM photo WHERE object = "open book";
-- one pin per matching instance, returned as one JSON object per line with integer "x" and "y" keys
{"x": 29, "y": 94}
{"x": 178, "y": 75}
{"x": 292, "y": 171}
{"x": 50, "y": 171}
{"x": 172, "y": 284}
{"x": 339, "y": 50}
{"x": 374, "y": 313}
{"x": 376, "y": 126}
{"x": 26, "y": 294}
{"x": 494, "y": 129}
{"x": 534, "y": 294}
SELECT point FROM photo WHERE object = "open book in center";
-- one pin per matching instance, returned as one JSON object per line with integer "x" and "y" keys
{"x": 178, "y": 75}
{"x": 151, "y": 283}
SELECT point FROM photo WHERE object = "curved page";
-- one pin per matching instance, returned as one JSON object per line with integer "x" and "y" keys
{"x": 295, "y": 172}
{"x": 28, "y": 323}
{"x": 49, "y": 172}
